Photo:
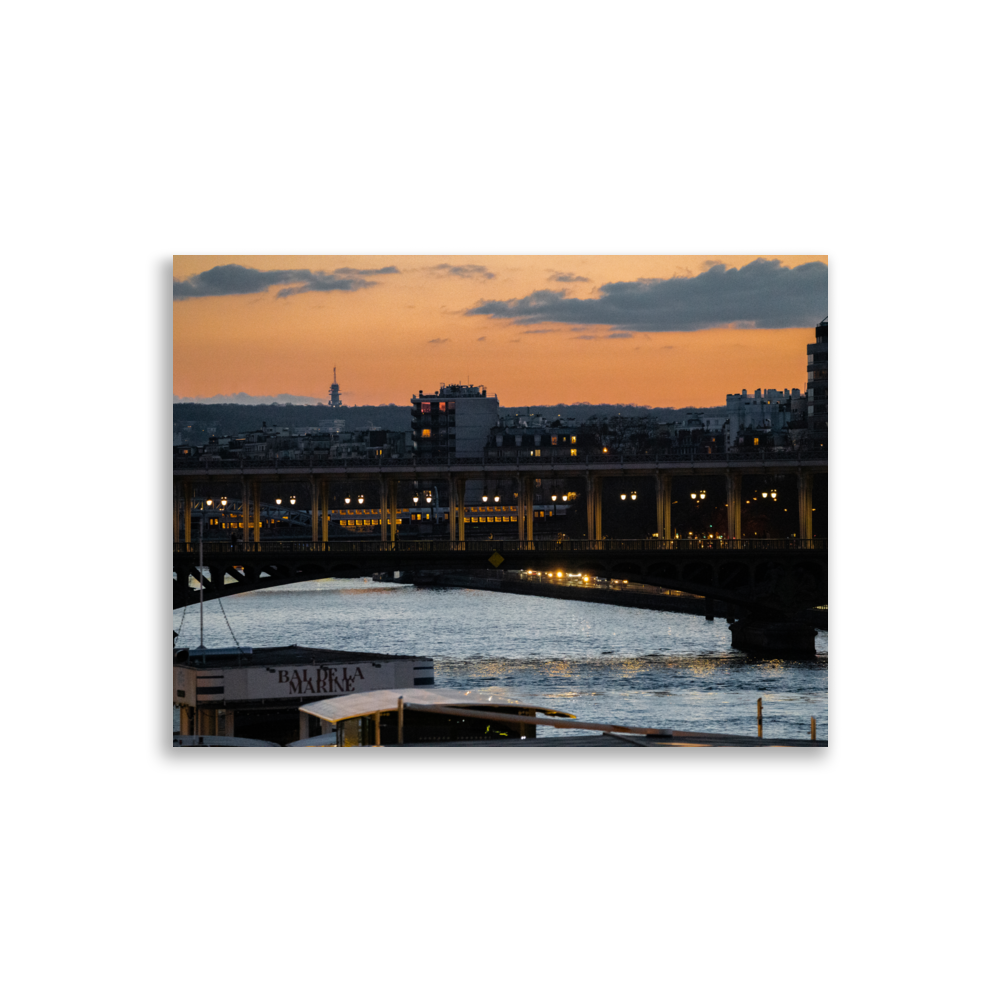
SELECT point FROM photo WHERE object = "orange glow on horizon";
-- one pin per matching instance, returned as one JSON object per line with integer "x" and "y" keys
{"x": 409, "y": 332}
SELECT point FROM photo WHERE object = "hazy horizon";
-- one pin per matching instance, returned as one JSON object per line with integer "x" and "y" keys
{"x": 664, "y": 331}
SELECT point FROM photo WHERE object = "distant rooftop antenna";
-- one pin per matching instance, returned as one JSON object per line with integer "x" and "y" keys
{"x": 335, "y": 390}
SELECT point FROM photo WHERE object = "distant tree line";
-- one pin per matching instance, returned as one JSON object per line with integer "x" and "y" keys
{"x": 234, "y": 418}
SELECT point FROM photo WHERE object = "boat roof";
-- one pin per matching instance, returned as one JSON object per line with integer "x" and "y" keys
{"x": 262, "y": 656}
{"x": 350, "y": 706}
{"x": 220, "y": 741}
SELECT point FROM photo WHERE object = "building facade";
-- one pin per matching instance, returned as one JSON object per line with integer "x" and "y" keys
{"x": 453, "y": 422}
{"x": 768, "y": 413}
{"x": 817, "y": 393}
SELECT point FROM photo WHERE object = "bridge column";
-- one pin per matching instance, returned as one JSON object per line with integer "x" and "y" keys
{"x": 187, "y": 513}
{"x": 595, "y": 487}
{"x": 734, "y": 498}
{"x": 314, "y": 501}
{"x": 520, "y": 509}
{"x": 324, "y": 496}
{"x": 256, "y": 511}
{"x": 664, "y": 490}
{"x": 383, "y": 514}
{"x": 527, "y": 493}
{"x": 177, "y": 514}
{"x": 393, "y": 486}
{"x": 452, "y": 511}
{"x": 805, "y": 505}
{"x": 245, "y": 511}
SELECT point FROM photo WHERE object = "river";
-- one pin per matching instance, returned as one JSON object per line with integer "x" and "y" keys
{"x": 601, "y": 662}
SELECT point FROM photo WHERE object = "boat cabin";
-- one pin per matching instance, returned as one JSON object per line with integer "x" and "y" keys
{"x": 255, "y": 693}
{"x": 406, "y": 716}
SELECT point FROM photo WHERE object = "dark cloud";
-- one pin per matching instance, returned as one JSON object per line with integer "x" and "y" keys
{"x": 619, "y": 336}
{"x": 463, "y": 271}
{"x": 480, "y": 338}
{"x": 234, "y": 279}
{"x": 763, "y": 293}
{"x": 439, "y": 340}
{"x": 567, "y": 277}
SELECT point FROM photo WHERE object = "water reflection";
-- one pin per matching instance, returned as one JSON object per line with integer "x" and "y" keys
{"x": 601, "y": 662}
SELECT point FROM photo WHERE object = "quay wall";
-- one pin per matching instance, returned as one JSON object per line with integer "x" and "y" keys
{"x": 688, "y": 604}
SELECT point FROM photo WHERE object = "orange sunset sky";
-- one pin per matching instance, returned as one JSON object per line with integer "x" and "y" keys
{"x": 655, "y": 331}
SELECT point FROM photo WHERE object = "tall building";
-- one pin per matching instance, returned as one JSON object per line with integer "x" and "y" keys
{"x": 335, "y": 391}
{"x": 455, "y": 422}
{"x": 817, "y": 392}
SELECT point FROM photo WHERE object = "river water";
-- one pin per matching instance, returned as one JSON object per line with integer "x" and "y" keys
{"x": 601, "y": 662}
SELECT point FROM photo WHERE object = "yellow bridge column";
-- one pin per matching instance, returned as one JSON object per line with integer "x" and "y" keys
{"x": 256, "y": 512}
{"x": 187, "y": 513}
{"x": 664, "y": 491}
{"x": 177, "y": 515}
{"x": 527, "y": 492}
{"x": 598, "y": 506}
{"x": 314, "y": 502}
{"x": 383, "y": 511}
{"x": 393, "y": 489}
{"x": 521, "y": 529}
{"x": 453, "y": 508}
{"x": 460, "y": 505}
{"x": 245, "y": 511}
{"x": 734, "y": 497}
{"x": 805, "y": 505}
{"x": 324, "y": 496}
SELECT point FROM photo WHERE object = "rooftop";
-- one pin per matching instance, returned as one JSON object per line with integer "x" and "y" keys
{"x": 266, "y": 656}
{"x": 456, "y": 390}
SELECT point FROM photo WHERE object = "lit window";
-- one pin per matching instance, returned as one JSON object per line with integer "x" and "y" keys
{"x": 426, "y": 432}
{"x": 572, "y": 451}
{"x": 555, "y": 439}
{"x": 425, "y": 407}
{"x": 538, "y": 453}
{"x": 441, "y": 406}
{"x": 572, "y": 440}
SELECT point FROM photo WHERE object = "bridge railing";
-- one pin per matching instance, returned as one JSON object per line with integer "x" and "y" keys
{"x": 513, "y": 546}
{"x": 213, "y": 463}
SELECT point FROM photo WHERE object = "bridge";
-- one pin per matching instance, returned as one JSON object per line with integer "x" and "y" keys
{"x": 205, "y": 475}
{"x": 768, "y": 577}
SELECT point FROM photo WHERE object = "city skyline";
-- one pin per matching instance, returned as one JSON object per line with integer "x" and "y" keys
{"x": 543, "y": 330}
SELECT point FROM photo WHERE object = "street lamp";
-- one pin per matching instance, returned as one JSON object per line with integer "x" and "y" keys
{"x": 633, "y": 494}
{"x": 623, "y": 496}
